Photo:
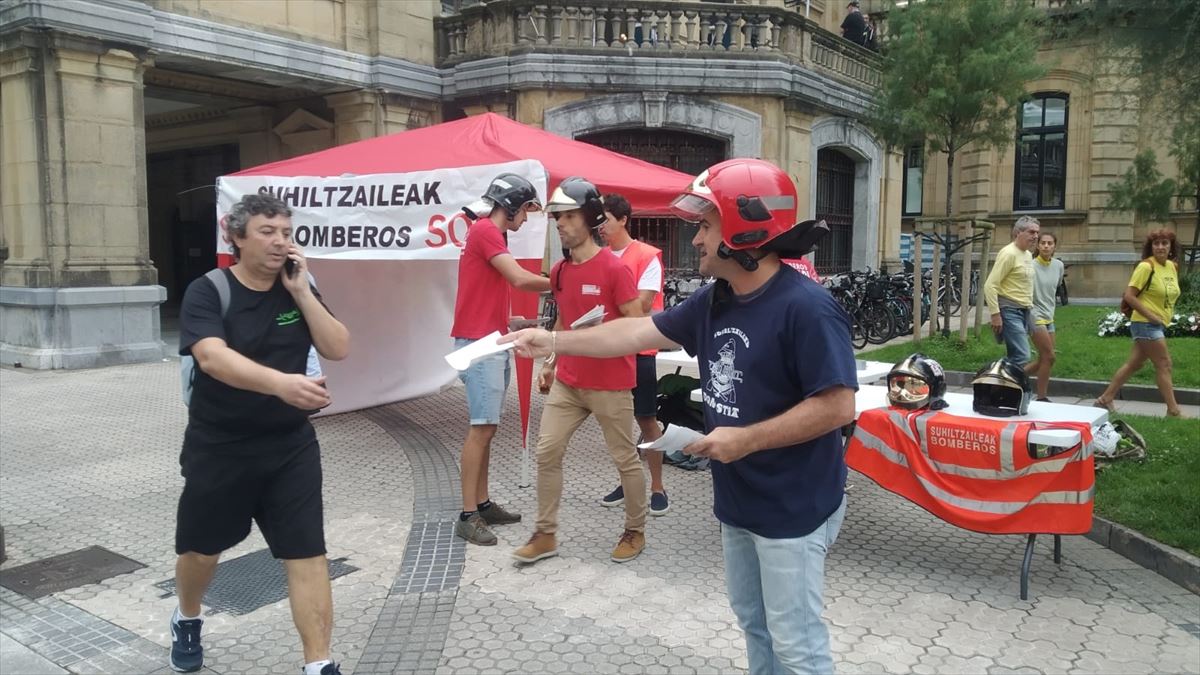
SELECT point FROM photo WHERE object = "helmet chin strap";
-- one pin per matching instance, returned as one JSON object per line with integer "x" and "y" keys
{"x": 743, "y": 258}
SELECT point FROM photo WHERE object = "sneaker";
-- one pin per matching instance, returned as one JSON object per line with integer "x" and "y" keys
{"x": 614, "y": 498}
{"x": 1043, "y": 399}
{"x": 541, "y": 545}
{"x": 659, "y": 505}
{"x": 498, "y": 515}
{"x": 187, "y": 656}
{"x": 474, "y": 530}
{"x": 629, "y": 546}
{"x": 330, "y": 668}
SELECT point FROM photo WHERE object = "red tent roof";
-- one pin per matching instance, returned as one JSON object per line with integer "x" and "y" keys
{"x": 490, "y": 139}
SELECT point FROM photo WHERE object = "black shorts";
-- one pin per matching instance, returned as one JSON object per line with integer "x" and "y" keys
{"x": 645, "y": 394}
{"x": 223, "y": 492}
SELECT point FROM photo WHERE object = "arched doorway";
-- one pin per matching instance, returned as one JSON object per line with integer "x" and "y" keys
{"x": 835, "y": 204}
{"x": 679, "y": 150}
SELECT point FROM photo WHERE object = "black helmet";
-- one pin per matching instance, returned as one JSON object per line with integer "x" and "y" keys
{"x": 578, "y": 193}
{"x": 1002, "y": 389}
{"x": 510, "y": 192}
{"x": 917, "y": 382}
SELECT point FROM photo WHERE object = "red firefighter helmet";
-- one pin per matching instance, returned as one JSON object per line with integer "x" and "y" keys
{"x": 755, "y": 199}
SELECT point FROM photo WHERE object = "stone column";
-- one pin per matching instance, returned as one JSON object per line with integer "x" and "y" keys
{"x": 78, "y": 288}
{"x": 366, "y": 114}
{"x": 891, "y": 210}
{"x": 1115, "y": 112}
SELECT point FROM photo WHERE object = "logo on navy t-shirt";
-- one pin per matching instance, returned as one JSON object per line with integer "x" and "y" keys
{"x": 723, "y": 374}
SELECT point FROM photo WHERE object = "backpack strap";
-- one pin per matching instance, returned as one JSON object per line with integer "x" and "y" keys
{"x": 221, "y": 282}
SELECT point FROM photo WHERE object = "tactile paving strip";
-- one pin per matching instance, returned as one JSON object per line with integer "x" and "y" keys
{"x": 412, "y": 628}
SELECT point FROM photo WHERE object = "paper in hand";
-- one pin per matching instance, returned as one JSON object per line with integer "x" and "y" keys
{"x": 675, "y": 438}
{"x": 462, "y": 359}
{"x": 593, "y": 318}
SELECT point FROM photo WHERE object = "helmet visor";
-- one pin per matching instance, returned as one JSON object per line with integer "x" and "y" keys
{"x": 531, "y": 206}
{"x": 691, "y": 207}
{"x": 907, "y": 390}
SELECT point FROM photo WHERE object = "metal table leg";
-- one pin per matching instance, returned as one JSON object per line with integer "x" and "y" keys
{"x": 1058, "y": 549}
{"x": 1025, "y": 565}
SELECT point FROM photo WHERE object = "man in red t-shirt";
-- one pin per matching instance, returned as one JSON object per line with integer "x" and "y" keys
{"x": 585, "y": 386}
{"x": 486, "y": 274}
{"x": 645, "y": 263}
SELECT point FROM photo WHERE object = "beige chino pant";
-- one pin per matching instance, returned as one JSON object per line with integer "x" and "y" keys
{"x": 566, "y": 408}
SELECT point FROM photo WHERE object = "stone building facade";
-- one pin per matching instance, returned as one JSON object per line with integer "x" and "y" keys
{"x": 118, "y": 115}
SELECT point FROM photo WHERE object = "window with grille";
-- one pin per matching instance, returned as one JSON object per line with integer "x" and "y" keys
{"x": 914, "y": 175}
{"x": 679, "y": 150}
{"x": 1041, "y": 171}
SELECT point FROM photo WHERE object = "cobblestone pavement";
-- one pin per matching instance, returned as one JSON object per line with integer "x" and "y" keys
{"x": 90, "y": 458}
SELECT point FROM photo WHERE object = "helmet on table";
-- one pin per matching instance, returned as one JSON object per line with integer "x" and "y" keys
{"x": 917, "y": 382}
{"x": 1002, "y": 389}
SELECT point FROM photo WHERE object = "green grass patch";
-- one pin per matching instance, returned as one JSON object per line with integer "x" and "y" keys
{"x": 1161, "y": 497}
{"x": 1082, "y": 354}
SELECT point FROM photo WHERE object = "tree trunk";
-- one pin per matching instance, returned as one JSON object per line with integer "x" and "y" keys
{"x": 945, "y": 273}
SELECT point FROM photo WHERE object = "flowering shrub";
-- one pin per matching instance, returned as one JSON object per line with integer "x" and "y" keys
{"x": 1182, "y": 325}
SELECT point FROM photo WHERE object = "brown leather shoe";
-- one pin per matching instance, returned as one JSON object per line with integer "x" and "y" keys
{"x": 629, "y": 546}
{"x": 540, "y": 545}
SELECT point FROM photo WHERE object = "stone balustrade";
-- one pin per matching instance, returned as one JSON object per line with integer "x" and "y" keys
{"x": 634, "y": 27}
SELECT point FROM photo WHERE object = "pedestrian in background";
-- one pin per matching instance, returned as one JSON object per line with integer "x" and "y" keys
{"x": 1008, "y": 290}
{"x": 1047, "y": 275}
{"x": 1152, "y": 292}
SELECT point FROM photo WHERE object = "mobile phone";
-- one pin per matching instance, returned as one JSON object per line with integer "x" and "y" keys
{"x": 289, "y": 267}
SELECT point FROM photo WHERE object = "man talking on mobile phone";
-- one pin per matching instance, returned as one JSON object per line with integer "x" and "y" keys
{"x": 249, "y": 451}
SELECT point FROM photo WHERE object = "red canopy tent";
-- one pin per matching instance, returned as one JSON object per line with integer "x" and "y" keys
{"x": 490, "y": 139}
{"x": 486, "y": 139}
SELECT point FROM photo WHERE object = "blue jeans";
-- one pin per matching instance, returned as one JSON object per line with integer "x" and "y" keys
{"x": 487, "y": 381}
{"x": 1016, "y": 328}
{"x": 775, "y": 588}
{"x": 1144, "y": 330}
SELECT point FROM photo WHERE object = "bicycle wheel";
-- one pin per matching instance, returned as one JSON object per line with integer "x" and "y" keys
{"x": 878, "y": 323}
{"x": 858, "y": 338}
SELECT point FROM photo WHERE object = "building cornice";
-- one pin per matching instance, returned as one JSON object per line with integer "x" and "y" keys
{"x": 164, "y": 34}
{"x": 135, "y": 24}
{"x": 684, "y": 75}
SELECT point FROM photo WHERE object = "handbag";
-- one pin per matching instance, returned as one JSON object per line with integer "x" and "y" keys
{"x": 1126, "y": 308}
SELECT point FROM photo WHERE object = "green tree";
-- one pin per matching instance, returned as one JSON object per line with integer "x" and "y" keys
{"x": 1165, "y": 34}
{"x": 1143, "y": 190}
{"x": 954, "y": 73}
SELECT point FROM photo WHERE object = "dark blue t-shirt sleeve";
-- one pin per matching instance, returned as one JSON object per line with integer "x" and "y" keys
{"x": 199, "y": 315}
{"x": 825, "y": 357}
{"x": 682, "y": 323}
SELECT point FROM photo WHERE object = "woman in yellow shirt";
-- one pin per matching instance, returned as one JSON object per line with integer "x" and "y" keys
{"x": 1152, "y": 292}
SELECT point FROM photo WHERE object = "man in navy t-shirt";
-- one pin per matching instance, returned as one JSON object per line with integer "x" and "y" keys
{"x": 778, "y": 377}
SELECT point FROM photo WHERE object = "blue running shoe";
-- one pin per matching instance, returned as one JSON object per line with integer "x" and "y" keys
{"x": 187, "y": 656}
{"x": 659, "y": 505}
{"x": 614, "y": 498}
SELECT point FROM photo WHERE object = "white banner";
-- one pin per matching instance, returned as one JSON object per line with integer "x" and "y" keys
{"x": 387, "y": 216}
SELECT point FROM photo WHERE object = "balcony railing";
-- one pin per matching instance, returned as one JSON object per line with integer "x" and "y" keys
{"x": 633, "y": 27}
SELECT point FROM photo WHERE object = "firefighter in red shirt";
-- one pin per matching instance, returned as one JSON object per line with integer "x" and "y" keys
{"x": 486, "y": 273}
{"x": 580, "y": 386}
